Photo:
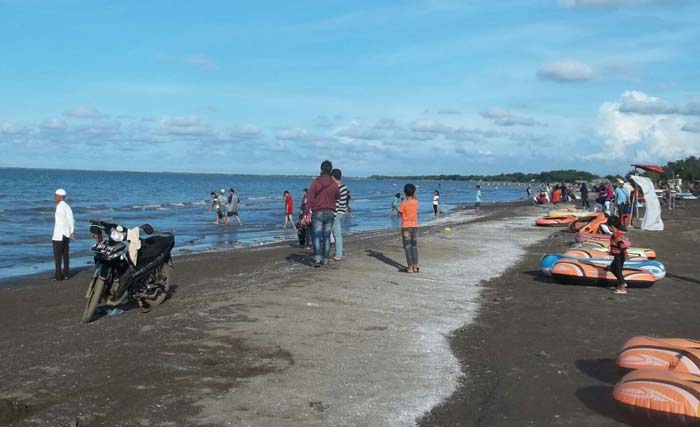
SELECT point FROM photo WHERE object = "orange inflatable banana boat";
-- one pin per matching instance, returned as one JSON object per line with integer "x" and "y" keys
{"x": 594, "y": 253}
{"x": 670, "y": 398}
{"x": 675, "y": 354}
{"x": 555, "y": 221}
{"x": 578, "y": 272}
{"x": 588, "y": 224}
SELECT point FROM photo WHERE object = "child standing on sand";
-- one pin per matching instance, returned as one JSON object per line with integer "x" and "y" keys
{"x": 408, "y": 212}
{"x": 618, "y": 247}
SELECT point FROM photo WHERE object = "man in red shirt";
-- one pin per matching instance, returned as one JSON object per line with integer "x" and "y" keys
{"x": 323, "y": 194}
{"x": 288, "y": 211}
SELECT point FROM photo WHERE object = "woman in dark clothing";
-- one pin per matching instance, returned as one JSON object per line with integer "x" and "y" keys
{"x": 585, "y": 204}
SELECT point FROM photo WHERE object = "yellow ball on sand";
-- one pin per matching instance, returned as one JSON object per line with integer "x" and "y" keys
{"x": 448, "y": 229}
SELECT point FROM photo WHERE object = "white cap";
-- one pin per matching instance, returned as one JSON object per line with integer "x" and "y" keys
{"x": 223, "y": 191}
{"x": 61, "y": 192}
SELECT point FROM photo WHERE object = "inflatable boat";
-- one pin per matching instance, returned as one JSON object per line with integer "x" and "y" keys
{"x": 654, "y": 267}
{"x": 632, "y": 252}
{"x": 675, "y": 354}
{"x": 555, "y": 221}
{"x": 588, "y": 224}
{"x": 668, "y": 398}
{"x": 595, "y": 253}
{"x": 568, "y": 212}
{"x": 578, "y": 272}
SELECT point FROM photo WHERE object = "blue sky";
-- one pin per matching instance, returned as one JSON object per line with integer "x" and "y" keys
{"x": 380, "y": 87}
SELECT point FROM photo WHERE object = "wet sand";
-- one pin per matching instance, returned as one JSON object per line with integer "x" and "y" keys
{"x": 543, "y": 354}
{"x": 258, "y": 337}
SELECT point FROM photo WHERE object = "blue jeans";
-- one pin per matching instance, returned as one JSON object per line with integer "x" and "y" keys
{"x": 338, "y": 233}
{"x": 321, "y": 226}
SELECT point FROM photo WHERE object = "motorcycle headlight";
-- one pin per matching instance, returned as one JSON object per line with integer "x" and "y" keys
{"x": 118, "y": 234}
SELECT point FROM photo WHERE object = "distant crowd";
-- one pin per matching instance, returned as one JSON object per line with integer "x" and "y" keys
{"x": 613, "y": 197}
{"x": 322, "y": 212}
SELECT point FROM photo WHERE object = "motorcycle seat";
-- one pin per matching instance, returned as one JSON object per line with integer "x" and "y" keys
{"x": 153, "y": 246}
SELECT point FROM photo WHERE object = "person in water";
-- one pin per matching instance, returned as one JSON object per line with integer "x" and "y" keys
{"x": 233, "y": 201}
{"x": 477, "y": 202}
{"x": 408, "y": 212}
{"x": 216, "y": 207}
{"x": 63, "y": 229}
{"x": 323, "y": 194}
{"x": 223, "y": 206}
{"x": 436, "y": 203}
{"x": 618, "y": 247}
{"x": 395, "y": 205}
{"x": 288, "y": 211}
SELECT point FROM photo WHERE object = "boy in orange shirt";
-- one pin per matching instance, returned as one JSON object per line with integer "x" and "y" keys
{"x": 408, "y": 212}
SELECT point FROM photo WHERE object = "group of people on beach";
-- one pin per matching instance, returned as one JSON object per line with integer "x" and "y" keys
{"x": 613, "y": 197}
{"x": 322, "y": 212}
{"x": 225, "y": 207}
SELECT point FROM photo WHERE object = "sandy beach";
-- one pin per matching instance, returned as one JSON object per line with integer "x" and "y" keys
{"x": 259, "y": 338}
{"x": 543, "y": 354}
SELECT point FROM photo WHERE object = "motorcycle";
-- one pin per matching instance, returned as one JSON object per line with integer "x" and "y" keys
{"x": 129, "y": 267}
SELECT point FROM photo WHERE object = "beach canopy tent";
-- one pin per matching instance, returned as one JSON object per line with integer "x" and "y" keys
{"x": 652, "y": 212}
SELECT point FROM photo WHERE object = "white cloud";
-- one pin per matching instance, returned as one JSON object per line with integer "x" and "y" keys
{"x": 53, "y": 124}
{"x": 566, "y": 71}
{"x": 291, "y": 134}
{"x": 386, "y": 124}
{"x": 503, "y": 117}
{"x": 84, "y": 113}
{"x": 358, "y": 132}
{"x": 647, "y": 137}
{"x": 429, "y": 126}
{"x": 243, "y": 132}
{"x": 639, "y": 103}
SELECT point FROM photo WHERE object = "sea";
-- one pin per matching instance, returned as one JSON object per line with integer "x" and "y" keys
{"x": 179, "y": 202}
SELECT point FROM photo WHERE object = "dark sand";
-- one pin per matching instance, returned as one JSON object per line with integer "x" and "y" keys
{"x": 538, "y": 354}
{"x": 543, "y": 354}
{"x": 252, "y": 337}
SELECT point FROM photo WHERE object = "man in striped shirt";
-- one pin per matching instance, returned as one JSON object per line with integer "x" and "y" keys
{"x": 341, "y": 208}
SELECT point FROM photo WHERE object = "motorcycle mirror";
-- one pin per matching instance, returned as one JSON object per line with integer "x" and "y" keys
{"x": 147, "y": 228}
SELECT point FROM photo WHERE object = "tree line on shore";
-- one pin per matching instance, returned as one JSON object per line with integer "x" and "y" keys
{"x": 567, "y": 175}
{"x": 688, "y": 169}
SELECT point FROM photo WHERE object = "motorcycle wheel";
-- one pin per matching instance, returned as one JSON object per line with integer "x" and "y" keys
{"x": 166, "y": 273}
{"x": 98, "y": 286}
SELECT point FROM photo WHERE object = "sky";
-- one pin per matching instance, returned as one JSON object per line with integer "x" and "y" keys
{"x": 378, "y": 87}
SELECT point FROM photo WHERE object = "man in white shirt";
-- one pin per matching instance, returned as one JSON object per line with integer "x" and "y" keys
{"x": 62, "y": 234}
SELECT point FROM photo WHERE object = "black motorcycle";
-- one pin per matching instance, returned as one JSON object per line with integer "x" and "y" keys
{"x": 119, "y": 279}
